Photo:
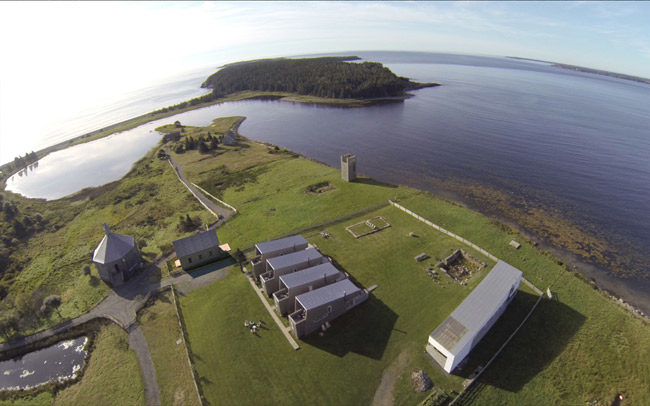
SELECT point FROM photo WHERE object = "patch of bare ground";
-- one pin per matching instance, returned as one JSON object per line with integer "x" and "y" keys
{"x": 384, "y": 393}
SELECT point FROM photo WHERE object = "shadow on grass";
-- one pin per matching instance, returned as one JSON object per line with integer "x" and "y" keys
{"x": 215, "y": 266}
{"x": 364, "y": 330}
{"x": 544, "y": 336}
{"x": 373, "y": 182}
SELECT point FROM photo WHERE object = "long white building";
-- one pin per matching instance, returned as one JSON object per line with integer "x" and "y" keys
{"x": 452, "y": 341}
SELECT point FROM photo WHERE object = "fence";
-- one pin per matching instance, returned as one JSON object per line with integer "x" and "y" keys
{"x": 442, "y": 230}
{"x": 219, "y": 200}
{"x": 460, "y": 395}
{"x": 185, "y": 344}
{"x": 461, "y": 239}
{"x": 348, "y": 216}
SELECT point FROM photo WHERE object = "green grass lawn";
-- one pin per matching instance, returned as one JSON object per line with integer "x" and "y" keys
{"x": 161, "y": 330}
{"x": 145, "y": 204}
{"x": 576, "y": 348}
{"x": 271, "y": 188}
{"x": 39, "y": 399}
{"x": 112, "y": 376}
{"x": 579, "y": 347}
{"x": 394, "y": 322}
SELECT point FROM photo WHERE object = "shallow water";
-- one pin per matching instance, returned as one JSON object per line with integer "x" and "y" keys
{"x": 61, "y": 361}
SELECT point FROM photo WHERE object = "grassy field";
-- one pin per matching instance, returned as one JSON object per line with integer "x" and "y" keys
{"x": 578, "y": 347}
{"x": 145, "y": 204}
{"x": 394, "y": 323}
{"x": 271, "y": 187}
{"x": 161, "y": 330}
{"x": 40, "y": 399}
{"x": 112, "y": 376}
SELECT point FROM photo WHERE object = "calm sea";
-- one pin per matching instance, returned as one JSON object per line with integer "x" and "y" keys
{"x": 574, "y": 142}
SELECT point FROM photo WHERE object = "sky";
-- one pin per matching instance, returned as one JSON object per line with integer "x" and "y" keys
{"x": 63, "y": 58}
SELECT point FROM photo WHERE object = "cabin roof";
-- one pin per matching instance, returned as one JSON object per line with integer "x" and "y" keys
{"x": 309, "y": 275}
{"x": 297, "y": 257}
{"x": 280, "y": 244}
{"x": 327, "y": 294}
{"x": 195, "y": 243}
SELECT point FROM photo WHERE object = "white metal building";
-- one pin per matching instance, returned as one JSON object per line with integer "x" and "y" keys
{"x": 453, "y": 340}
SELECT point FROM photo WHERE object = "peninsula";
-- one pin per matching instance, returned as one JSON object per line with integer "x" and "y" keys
{"x": 567, "y": 342}
{"x": 325, "y": 80}
{"x": 568, "y": 337}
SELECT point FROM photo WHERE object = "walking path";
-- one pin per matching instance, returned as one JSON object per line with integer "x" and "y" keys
{"x": 122, "y": 303}
{"x": 285, "y": 330}
{"x": 213, "y": 197}
{"x": 219, "y": 212}
{"x": 139, "y": 344}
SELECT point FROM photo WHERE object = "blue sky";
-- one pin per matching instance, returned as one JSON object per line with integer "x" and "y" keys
{"x": 57, "y": 50}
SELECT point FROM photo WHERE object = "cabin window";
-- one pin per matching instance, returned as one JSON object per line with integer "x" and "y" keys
{"x": 329, "y": 309}
{"x": 210, "y": 252}
{"x": 189, "y": 259}
{"x": 117, "y": 268}
{"x": 200, "y": 257}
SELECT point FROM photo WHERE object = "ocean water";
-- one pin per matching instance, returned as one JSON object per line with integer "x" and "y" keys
{"x": 575, "y": 142}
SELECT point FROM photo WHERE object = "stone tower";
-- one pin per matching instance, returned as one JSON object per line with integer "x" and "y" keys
{"x": 348, "y": 167}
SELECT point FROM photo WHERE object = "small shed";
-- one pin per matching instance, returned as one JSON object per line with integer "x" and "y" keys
{"x": 116, "y": 257}
{"x": 198, "y": 249}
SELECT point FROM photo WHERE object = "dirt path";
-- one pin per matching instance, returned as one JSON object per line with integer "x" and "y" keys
{"x": 122, "y": 303}
{"x": 384, "y": 393}
{"x": 219, "y": 212}
{"x": 138, "y": 343}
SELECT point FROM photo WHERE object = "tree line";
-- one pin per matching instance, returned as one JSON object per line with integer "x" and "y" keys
{"x": 329, "y": 77}
{"x": 20, "y": 162}
{"x": 204, "y": 143}
{"x": 322, "y": 77}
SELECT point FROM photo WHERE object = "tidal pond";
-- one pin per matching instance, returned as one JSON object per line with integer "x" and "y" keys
{"x": 59, "y": 362}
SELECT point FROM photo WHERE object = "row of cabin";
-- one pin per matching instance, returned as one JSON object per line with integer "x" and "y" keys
{"x": 311, "y": 291}
{"x": 303, "y": 283}
{"x": 117, "y": 257}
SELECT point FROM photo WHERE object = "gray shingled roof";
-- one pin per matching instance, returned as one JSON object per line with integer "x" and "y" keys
{"x": 308, "y": 275}
{"x": 282, "y": 243}
{"x": 470, "y": 316}
{"x": 113, "y": 247}
{"x": 195, "y": 243}
{"x": 284, "y": 261}
{"x": 327, "y": 294}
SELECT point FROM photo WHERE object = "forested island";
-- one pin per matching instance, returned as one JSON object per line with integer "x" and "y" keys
{"x": 324, "y": 80}
{"x": 331, "y": 77}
